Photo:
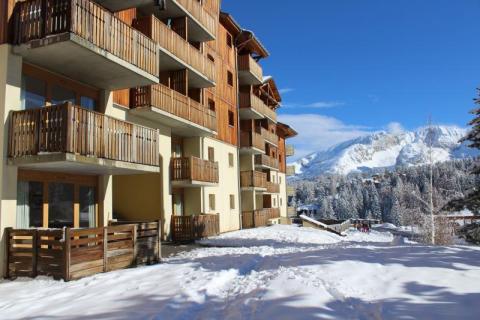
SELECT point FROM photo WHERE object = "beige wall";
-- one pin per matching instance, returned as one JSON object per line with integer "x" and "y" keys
{"x": 10, "y": 84}
{"x": 228, "y": 185}
{"x": 283, "y": 194}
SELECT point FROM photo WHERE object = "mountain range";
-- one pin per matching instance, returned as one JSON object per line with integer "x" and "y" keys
{"x": 387, "y": 150}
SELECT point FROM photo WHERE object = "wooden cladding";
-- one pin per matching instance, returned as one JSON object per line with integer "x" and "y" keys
{"x": 273, "y": 187}
{"x": 259, "y": 218}
{"x": 269, "y": 136}
{"x": 251, "y": 101}
{"x": 176, "y": 45}
{"x": 253, "y": 179}
{"x": 289, "y": 150}
{"x": 166, "y": 99}
{"x": 194, "y": 169}
{"x": 71, "y": 129}
{"x": 266, "y": 161}
{"x": 204, "y": 17}
{"x": 189, "y": 228}
{"x": 37, "y": 19}
{"x": 72, "y": 254}
{"x": 248, "y": 64}
{"x": 252, "y": 140}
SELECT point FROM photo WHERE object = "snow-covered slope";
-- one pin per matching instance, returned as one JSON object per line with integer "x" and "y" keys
{"x": 382, "y": 149}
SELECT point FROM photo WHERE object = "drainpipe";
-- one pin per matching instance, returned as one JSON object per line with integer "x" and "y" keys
{"x": 202, "y": 141}
{"x": 238, "y": 141}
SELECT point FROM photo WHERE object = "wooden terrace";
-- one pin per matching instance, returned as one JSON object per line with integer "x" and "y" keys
{"x": 253, "y": 107}
{"x": 264, "y": 161}
{"x": 249, "y": 71}
{"x": 251, "y": 143}
{"x": 259, "y": 218}
{"x": 253, "y": 179}
{"x": 190, "y": 228}
{"x": 193, "y": 172}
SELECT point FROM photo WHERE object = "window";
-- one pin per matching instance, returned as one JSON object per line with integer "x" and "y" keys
{"x": 87, "y": 207}
{"x": 88, "y": 103}
{"x": 29, "y": 204}
{"x": 210, "y": 57}
{"x": 231, "y": 118}
{"x": 230, "y": 78}
{"x": 232, "y": 202}
{"x": 229, "y": 40}
{"x": 33, "y": 92}
{"x": 211, "y": 154}
{"x": 211, "y": 104}
{"x": 230, "y": 160}
{"x": 60, "y": 205}
{"x": 274, "y": 202}
{"x": 281, "y": 202}
{"x": 211, "y": 202}
{"x": 61, "y": 95}
{"x": 280, "y": 179}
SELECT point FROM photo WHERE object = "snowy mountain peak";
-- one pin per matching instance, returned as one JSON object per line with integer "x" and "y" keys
{"x": 384, "y": 150}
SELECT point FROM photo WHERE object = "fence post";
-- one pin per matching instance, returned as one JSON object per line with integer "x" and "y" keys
{"x": 67, "y": 246}
{"x": 34, "y": 252}
{"x": 135, "y": 246}
{"x": 7, "y": 252}
{"x": 159, "y": 240}
{"x": 105, "y": 249}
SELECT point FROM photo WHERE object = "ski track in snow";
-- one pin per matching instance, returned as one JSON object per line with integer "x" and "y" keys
{"x": 281, "y": 272}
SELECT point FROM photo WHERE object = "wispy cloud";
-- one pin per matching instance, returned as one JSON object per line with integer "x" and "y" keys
{"x": 286, "y": 90}
{"x": 317, "y": 132}
{"x": 395, "y": 128}
{"x": 315, "y": 105}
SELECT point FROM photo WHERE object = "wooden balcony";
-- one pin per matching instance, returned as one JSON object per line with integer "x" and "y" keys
{"x": 291, "y": 212}
{"x": 290, "y": 191}
{"x": 252, "y": 107}
{"x": 249, "y": 71}
{"x": 68, "y": 138}
{"x": 193, "y": 172}
{"x": 185, "y": 116}
{"x": 253, "y": 179}
{"x": 177, "y": 54}
{"x": 190, "y": 228}
{"x": 81, "y": 40}
{"x": 273, "y": 187}
{"x": 251, "y": 143}
{"x": 263, "y": 161}
{"x": 290, "y": 170}
{"x": 269, "y": 136}
{"x": 289, "y": 150}
{"x": 259, "y": 218}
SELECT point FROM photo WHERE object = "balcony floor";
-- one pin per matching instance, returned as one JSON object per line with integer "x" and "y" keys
{"x": 250, "y": 113}
{"x": 78, "y": 59}
{"x": 179, "y": 126}
{"x": 192, "y": 184}
{"x": 251, "y": 150}
{"x": 248, "y": 78}
{"x": 71, "y": 163}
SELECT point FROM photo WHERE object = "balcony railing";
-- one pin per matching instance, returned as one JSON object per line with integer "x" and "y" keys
{"x": 247, "y": 64}
{"x": 271, "y": 213}
{"x": 289, "y": 150}
{"x": 269, "y": 136}
{"x": 38, "y": 19}
{"x": 252, "y": 140}
{"x": 175, "y": 103}
{"x": 273, "y": 187}
{"x": 251, "y": 101}
{"x": 178, "y": 46}
{"x": 290, "y": 191}
{"x": 266, "y": 161}
{"x": 71, "y": 129}
{"x": 194, "y": 169}
{"x": 206, "y": 19}
{"x": 291, "y": 212}
{"x": 290, "y": 170}
{"x": 253, "y": 179}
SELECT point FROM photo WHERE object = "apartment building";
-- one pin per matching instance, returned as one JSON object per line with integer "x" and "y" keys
{"x": 136, "y": 110}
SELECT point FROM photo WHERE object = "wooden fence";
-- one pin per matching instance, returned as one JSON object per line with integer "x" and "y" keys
{"x": 208, "y": 18}
{"x": 252, "y": 140}
{"x": 259, "y": 218}
{"x": 249, "y": 179}
{"x": 189, "y": 228}
{"x": 72, "y": 129}
{"x": 37, "y": 19}
{"x": 194, "y": 169}
{"x": 72, "y": 254}
{"x": 175, "y": 103}
{"x": 266, "y": 160}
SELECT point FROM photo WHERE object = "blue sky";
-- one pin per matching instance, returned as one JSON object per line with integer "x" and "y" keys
{"x": 347, "y": 67}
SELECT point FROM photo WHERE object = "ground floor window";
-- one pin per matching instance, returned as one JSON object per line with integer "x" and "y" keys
{"x": 54, "y": 200}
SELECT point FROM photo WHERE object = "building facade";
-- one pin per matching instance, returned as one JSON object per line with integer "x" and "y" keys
{"x": 136, "y": 111}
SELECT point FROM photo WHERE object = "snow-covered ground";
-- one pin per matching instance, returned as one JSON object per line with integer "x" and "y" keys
{"x": 281, "y": 272}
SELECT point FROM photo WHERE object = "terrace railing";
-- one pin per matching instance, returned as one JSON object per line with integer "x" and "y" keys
{"x": 194, "y": 169}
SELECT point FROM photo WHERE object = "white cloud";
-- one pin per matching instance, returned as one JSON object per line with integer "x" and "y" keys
{"x": 395, "y": 128}
{"x": 317, "y": 132}
{"x": 315, "y": 105}
{"x": 286, "y": 90}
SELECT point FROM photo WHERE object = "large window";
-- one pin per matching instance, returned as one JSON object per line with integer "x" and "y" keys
{"x": 61, "y": 94}
{"x": 33, "y": 92}
{"x": 52, "y": 200}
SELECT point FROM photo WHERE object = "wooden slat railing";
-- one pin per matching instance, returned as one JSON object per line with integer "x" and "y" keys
{"x": 175, "y": 103}
{"x": 269, "y": 136}
{"x": 259, "y": 218}
{"x": 194, "y": 169}
{"x": 290, "y": 170}
{"x": 289, "y": 150}
{"x": 176, "y": 45}
{"x": 256, "y": 179}
{"x": 265, "y": 160}
{"x": 290, "y": 191}
{"x": 252, "y": 140}
{"x": 189, "y": 228}
{"x": 273, "y": 187}
{"x": 251, "y": 101}
{"x": 72, "y": 129}
{"x": 247, "y": 63}
{"x": 38, "y": 19}
{"x": 291, "y": 212}
{"x": 203, "y": 16}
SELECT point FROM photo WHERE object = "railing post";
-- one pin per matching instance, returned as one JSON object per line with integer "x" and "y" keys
{"x": 7, "y": 252}
{"x": 67, "y": 248}
{"x": 43, "y": 17}
{"x": 134, "y": 144}
{"x": 34, "y": 252}
{"x": 72, "y": 19}
{"x": 135, "y": 244}
{"x": 159, "y": 238}
{"x": 105, "y": 249}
